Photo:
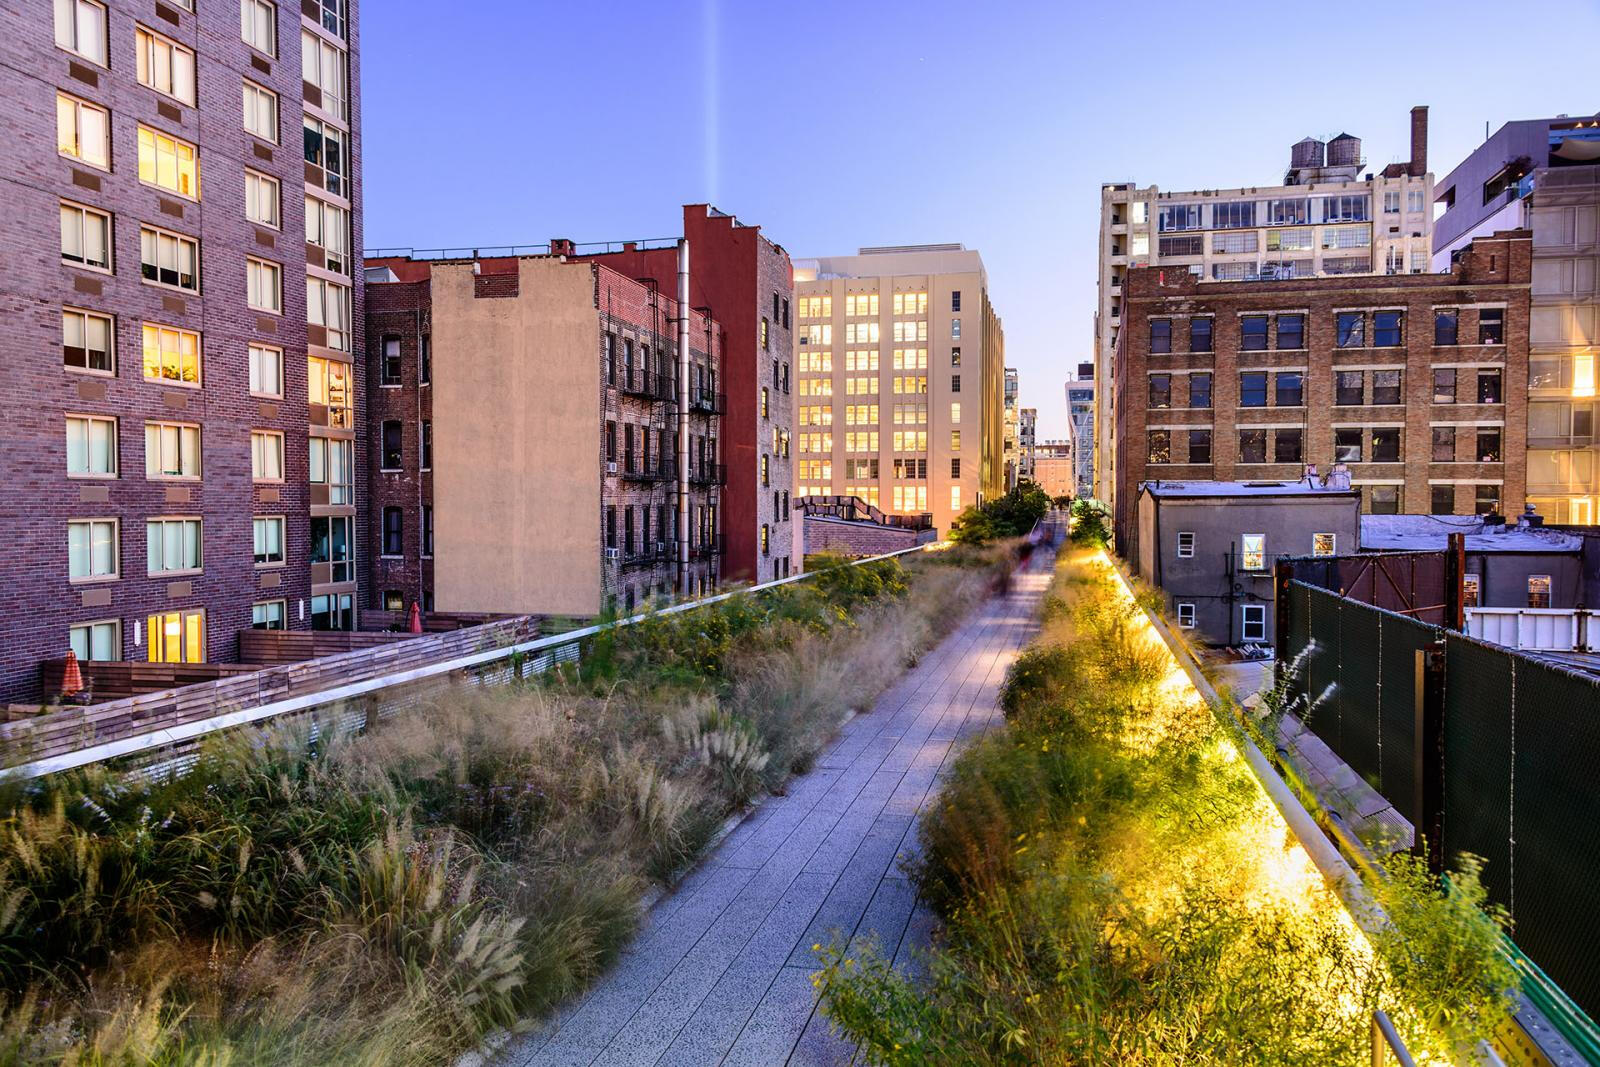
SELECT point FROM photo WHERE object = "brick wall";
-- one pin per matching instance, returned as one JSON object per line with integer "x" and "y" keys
{"x": 858, "y": 538}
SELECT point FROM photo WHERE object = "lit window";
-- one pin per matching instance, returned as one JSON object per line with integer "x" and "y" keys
{"x": 266, "y": 371}
{"x": 169, "y": 259}
{"x": 171, "y": 450}
{"x": 266, "y": 456}
{"x": 258, "y": 25}
{"x": 1253, "y": 552}
{"x": 1538, "y": 590}
{"x": 261, "y": 199}
{"x": 1322, "y": 544}
{"x": 268, "y": 530}
{"x": 96, "y": 641}
{"x": 328, "y": 387}
{"x": 168, "y": 163}
{"x": 171, "y": 355}
{"x": 955, "y": 498}
{"x": 81, "y": 28}
{"x": 955, "y": 411}
{"x": 164, "y": 65}
{"x": 83, "y": 131}
{"x": 91, "y": 447}
{"x": 92, "y": 550}
{"x": 1469, "y": 590}
{"x": 261, "y": 112}
{"x": 1583, "y": 375}
{"x": 85, "y": 236}
{"x": 173, "y": 545}
{"x": 177, "y": 636}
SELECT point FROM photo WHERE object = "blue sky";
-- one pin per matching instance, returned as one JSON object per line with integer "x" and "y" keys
{"x": 836, "y": 125}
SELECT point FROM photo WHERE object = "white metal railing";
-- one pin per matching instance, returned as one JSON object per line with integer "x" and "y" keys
{"x": 537, "y": 655}
{"x": 1387, "y": 1043}
{"x": 1532, "y": 629}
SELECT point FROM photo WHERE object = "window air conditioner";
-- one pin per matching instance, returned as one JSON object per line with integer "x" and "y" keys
{"x": 611, "y": 468}
{"x": 612, "y": 553}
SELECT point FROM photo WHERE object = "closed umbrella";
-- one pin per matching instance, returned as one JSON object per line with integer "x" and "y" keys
{"x": 415, "y": 625}
{"x": 72, "y": 676}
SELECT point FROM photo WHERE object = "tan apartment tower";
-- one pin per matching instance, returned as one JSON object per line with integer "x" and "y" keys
{"x": 1329, "y": 216}
{"x": 901, "y": 371}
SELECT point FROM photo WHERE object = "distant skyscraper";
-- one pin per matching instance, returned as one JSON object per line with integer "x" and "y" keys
{"x": 1009, "y": 445}
{"x": 1080, "y": 429}
{"x": 1027, "y": 436}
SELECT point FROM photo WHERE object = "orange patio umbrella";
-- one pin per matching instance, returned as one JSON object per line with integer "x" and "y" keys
{"x": 72, "y": 676}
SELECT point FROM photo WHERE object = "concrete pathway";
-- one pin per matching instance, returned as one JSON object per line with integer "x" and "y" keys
{"x": 721, "y": 973}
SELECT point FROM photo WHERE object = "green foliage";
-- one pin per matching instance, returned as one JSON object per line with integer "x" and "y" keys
{"x": 1089, "y": 529}
{"x": 1012, "y": 515}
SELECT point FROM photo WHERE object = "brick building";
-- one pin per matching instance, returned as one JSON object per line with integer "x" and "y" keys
{"x": 154, "y": 441}
{"x": 522, "y": 436}
{"x": 1417, "y": 382}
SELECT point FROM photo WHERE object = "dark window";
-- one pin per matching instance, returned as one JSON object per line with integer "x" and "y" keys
{"x": 955, "y": 468}
{"x": 1291, "y": 331}
{"x": 1492, "y": 328}
{"x": 955, "y": 300}
{"x": 627, "y": 447}
{"x": 611, "y": 359}
{"x": 1489, "y": 444}
{"x": 1443, "y": 500}
{"x": 427, "y": 529}
{"x": 1347, "y": 445}
{"x": 1384, "y": 499}
{"x": 392, "y": 434}
{"x": 1200, "y": 335}
{"x": 1200, "y": 390}
{"x": 1160, "y": 335}
{"x": 611, "y": 526}
{"x": 427, "y": 444}
{"x": 1253, "y": 333}
{"x": 1287, "y": 446}
{"x": 1386, "y": 329}
{"x": 1199, "y": 446}
{"x": 1386, "y": 387}
{"x": 785, "y": 313}
{"x": 1352, "y": 329}
{"x": 1160, "y": 390}
{"x": 425, "y": 359}
{"x": 955, "y": 357}
{"x": 1252, "y": 446}
{"x": 391, "y": 361}
{"x": 611, "y": 442}
{"x": 1160, "y": 446}
{"x": 1386, "y": 445}
{"x": 1253, "y": 389}
{"x": 1486, "y": 500}
{"x": 1289, "y": 389}
{"x": 394, "y": 541}
{"x": 1182, "y": 246}
{"x": 776, "y": 308}
{"x": 627, "y": 530}
{"x": 1347, "y": 387}
{"x": 1444, "y": 444}
{"x": 955, "y": 383}
{"x": 1444, "y": 327}
{"x": 1489, "y": 386}
{"x": 1444, "y": 385}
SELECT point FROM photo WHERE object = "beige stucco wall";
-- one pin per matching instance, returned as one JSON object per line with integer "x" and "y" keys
{"x": 516, "y": 430}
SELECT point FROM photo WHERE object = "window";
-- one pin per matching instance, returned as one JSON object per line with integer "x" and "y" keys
{"x": 955, "y": 383}
{"x": 1233, "y": 242}
{"x": 328, "y": 306}
{"x": 266, "y": 371}
{"x": 330, "y": 466}
{"x": 266, "y": 455}
{"x": 1288, "y": 446}
{"x": 1253, "y": 551}
{"x": 955, "y": 329}
{"x": 169, "y": 259}
{"x": 1486, "y": 500}
{"x": 955, "y": 440}
{"x": 1444, "y": 326}
{"x": 328, "y": 227}
{"x": 425, "y": 360}
{"x": 1384, "y": 499}
{"x": 268, "y": 615}
{"x": 1289, "y": 389}
{"x": 1351, "y": 327}
{"x": 1322, "y": 544}
{"x": 1160, "y": 391}
{"x": 393, "y": 532}
{"x": 1489, "y": 386}
{"x": 1199, "y": 446}
{"x": 1348, "y": 387}
{"x": 81, "y": 28}
{"x": 328, "y": 388}
{"x": 766, "y": 470}
{"x": 92, "y": 550}
{"x": 1491, "y": 326}
{"x": 171, "y": 355}
{"x": 96, "y": 641}
{"x": 1252, "y": 622}
{"x": 1253, "y": 333}
{"x": 1386, "y": 329}
{"x": 765, "y": 336}
{"x": 1233, "y": 215}
{"x": 261, "y": 199}
{"x": 1200, "y": 335}
{"x": 328, "y": 69}
{"x": 1538, "y": 590}
{"x": 1443, "y": 502}
{"x": 1291, "y": 331}
{"x": 268, "y": 535}
{"x": 91, "y": 447}
{"x": 331, "y": 543}
{"x": 325, "y": 149}
{"x": 1444, "y": 385}
{"x": 1159, "y": 446}
{"x": 955, "y": 411}
{"x": 1182, "y": 246}
{"x": 1386, "y": 387}
{"x": 426, "y": 440}
{"x": 171, "y": 450}
{"x": 258, "y": 25}
{"x": 1185, "y": 544}
{"x": 907, "y": 304}
{"x": 391, "y": 456}
{"x": 83, "y": 131}
{"x": 1252, "y": 446}
{"x": 1186, "y": 616}
{"x": 335, "y": 15}
{"x": 1489, "y": 444}
{"x": 1253, "y": 389}
{"x": 85, "y": 236}
{"x": 1347, "y": 445}
{"x": 177, "y": 636}
{"x": 173, "y": 545}
{"x": 164, "y": 65}
{"x": 1470, "y": 584}
{"x": 1160, "y": 335}
{"x": 391, "y": 360}
{"x": 1386, "y": 445}
{"x": 168, "y": 163}
{"x": 1444, "y": 445}
{"x": 427, "y": 528}
{"x": 1199, "y": 390}
{"x": 265, "y": 285}
{"x": 1391, "y": 202}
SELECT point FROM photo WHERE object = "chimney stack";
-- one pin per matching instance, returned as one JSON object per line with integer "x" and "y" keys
{"x": 562, "y": 246}
{"x": 1419, "y": 141}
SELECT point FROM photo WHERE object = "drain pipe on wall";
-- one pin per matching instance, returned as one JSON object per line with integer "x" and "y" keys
{"x": 683, "y": 417}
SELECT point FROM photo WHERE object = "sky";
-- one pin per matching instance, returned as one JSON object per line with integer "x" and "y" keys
{"x": 837, "y": 125}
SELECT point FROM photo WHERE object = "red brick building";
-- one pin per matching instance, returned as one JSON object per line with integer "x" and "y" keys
{"x": 156, "y": 433}
{"x": 1416, "y": 382}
